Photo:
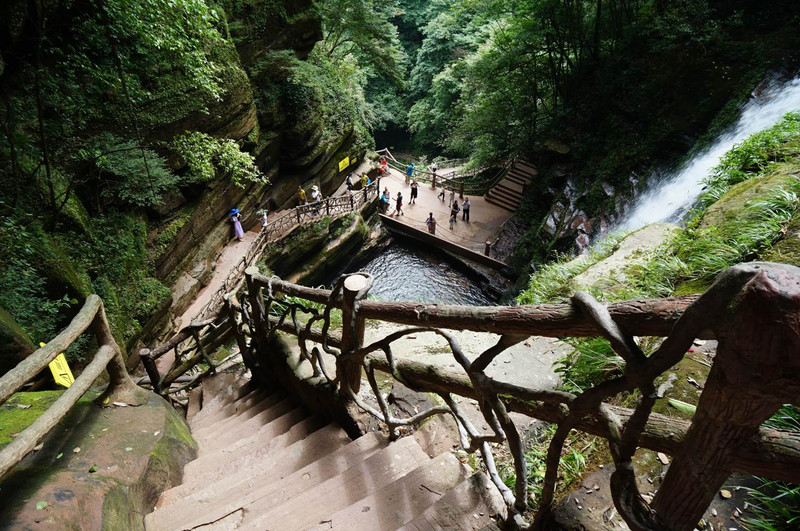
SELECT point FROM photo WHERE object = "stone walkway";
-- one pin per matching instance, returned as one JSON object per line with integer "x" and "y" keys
{"x": 485, "y": 218}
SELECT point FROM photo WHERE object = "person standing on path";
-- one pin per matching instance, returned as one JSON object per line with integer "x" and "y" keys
{"x": 398, "y": 211}
{"x": 301, "y": 196}
{"x": 409, "y": 172}
{"x": 385, "y": 201}
{"x": 364, "y": 180}
{"x": 414, "y": 191}
{"x": 441, "y": 194}
{"x": 431, "y": 223}
{"x": 452, "y": 197}
{"x": 465, "y": 209}
{"x": 454, "y": 213}
{"x": 236, "y": 219}
{"x": 316, "y": 197}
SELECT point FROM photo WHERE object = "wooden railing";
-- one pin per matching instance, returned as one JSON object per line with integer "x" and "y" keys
{"x": 120, "y": 391}
{"x": 465, "y": 182}
{"x": 195, "y": 343}
{"x": 752, "y": 310}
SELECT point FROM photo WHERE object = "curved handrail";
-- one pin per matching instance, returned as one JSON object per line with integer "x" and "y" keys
{"x": 120, "y": 389}
{"x": 752, "y": 307}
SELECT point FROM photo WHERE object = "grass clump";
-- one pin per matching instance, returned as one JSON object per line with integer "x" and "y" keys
{"x": 554, "y": 281}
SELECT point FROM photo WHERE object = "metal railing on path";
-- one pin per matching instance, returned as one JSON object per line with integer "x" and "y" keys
{"x": 751, "y": 310}
{"x": 120, "y": 391}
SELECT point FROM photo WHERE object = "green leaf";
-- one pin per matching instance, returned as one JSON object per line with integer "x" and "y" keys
{"x": 683, "y": 407}
{"x": 93, "y": 469}
{"x": 41, "y": 505}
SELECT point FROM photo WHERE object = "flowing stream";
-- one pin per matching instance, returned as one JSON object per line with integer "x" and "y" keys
{"x": 674, "y": 195}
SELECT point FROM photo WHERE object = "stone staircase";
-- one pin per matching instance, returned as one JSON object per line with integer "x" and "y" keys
{"x": 264, "y": 463}
{"x": 508, "y": 193}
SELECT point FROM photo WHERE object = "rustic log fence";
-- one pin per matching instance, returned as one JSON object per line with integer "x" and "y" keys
{"x": 195, "y": 343}
{"x": 465, "y": 182}
{"x": 108, "y": 357}
{"x": 753, "y": 310}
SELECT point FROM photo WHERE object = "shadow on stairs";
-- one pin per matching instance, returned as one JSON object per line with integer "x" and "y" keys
{"x": 264, "y": 463}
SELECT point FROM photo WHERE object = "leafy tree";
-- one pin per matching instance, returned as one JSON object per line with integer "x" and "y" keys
{"x": 205, "y": 155}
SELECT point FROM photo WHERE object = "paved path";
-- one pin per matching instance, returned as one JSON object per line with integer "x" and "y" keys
{"x": 485, "y": 218}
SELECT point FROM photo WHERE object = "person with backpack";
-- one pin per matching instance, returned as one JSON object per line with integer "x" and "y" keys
{"x": 398, "y": 211}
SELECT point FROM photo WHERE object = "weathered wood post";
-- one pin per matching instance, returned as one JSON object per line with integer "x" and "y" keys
{"x": 756, "y": 369}
{"x": 328, "y": 207}
{"x": 365, "y": 191}
{"x": 297, "y": 211}
{"x": 433, "y": 175}
{"x": 254, "y": 294}
{"x": 461, "y": 190}
{"x": 352, "y": 331}
{"x": 352, "y": 203}
{"x": 488, "y": 248}
{"x": 151, "y": 369}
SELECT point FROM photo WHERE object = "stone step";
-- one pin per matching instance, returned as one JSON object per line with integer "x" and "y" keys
{"x": 310, "y": 446}
{"x": 239, "y": 412}
{"x": 508, "y": 187}
{"x": 302, "y": 504}
{"x": 501, "y": 201}
{"x": 526, "y": 167}
{"x": 268, "y": 490}
{"x": 229, "y": 433}
{"x": 400, "y": 502}
{"x": 519, "y": 178}
{"x": 220, "y": 409}
{"x": 195, "y": 403}
{"x": 216, "y": 392}
{"x": 231, "y": 408}
{"x": 470, "y": 505}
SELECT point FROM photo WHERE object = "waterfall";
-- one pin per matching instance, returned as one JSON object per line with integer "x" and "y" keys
{"x": 676, "y": 193}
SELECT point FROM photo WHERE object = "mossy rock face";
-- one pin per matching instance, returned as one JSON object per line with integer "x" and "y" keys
{"x": 347, "y": 240}
{"x": 731, "y": 205}
{"x": 787, "y": 249}
{"x": 99, "y": 468}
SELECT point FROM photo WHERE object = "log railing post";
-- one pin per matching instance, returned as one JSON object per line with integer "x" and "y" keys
{"x": 254, "y": 293}
{"x": 352, "y": 331}
{"x": 433, "y": 177}
{"x": 756, "y": 369}
{"x": 461, "y": 190}
{"x": 487, "y": 248}
{"x": 151, "y": 369}
{"x": 297, "y": 211}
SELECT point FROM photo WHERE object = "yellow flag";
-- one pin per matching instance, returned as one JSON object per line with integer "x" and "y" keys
{"x": 60, "y": 369}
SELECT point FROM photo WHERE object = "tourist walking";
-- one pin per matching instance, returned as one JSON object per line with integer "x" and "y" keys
{"x": 414, "y": 192}
{"x": 364, "y": 180}
{"x": 433, "y": 168}
{"x": 452, "y": 197}
{"x": 236, "y": 219}
{"x": 465, "y": 209}
{"x": 441, "y": 194}
{"x": 301, "y": 196}
{"x": 409, "y": 172}
{"x": 263, "y": 217}
{"x": 316, "y": 197}
{"x": 398, "y": 211}
{"x": 348, "y": 181}
{"x": 431, "y": 223}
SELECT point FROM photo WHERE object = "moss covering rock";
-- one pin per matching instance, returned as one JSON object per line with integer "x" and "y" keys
{"x": 99, "y": 468}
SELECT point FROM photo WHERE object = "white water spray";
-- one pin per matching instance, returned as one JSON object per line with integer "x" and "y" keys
{"x": 676, "y": 193}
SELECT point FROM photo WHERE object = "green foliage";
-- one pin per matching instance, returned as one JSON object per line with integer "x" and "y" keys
{"x": 24, "y": 289}
{"x": 128, "y": 172}
{"x": 553, "y": 282}
{"x": 591, "y": 362}
{"x": 571, "y": 466}
{"x": 205, "y": 155}
{"x": 775, "y": 507}
{"x": 754, "y": 156}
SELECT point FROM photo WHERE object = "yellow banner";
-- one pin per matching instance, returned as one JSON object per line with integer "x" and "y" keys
{"x": 60, "y": 369}
{"x": 344, "y": 163}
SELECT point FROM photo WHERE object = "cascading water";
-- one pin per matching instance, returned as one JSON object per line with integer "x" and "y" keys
{"x": 675, "y": 194}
